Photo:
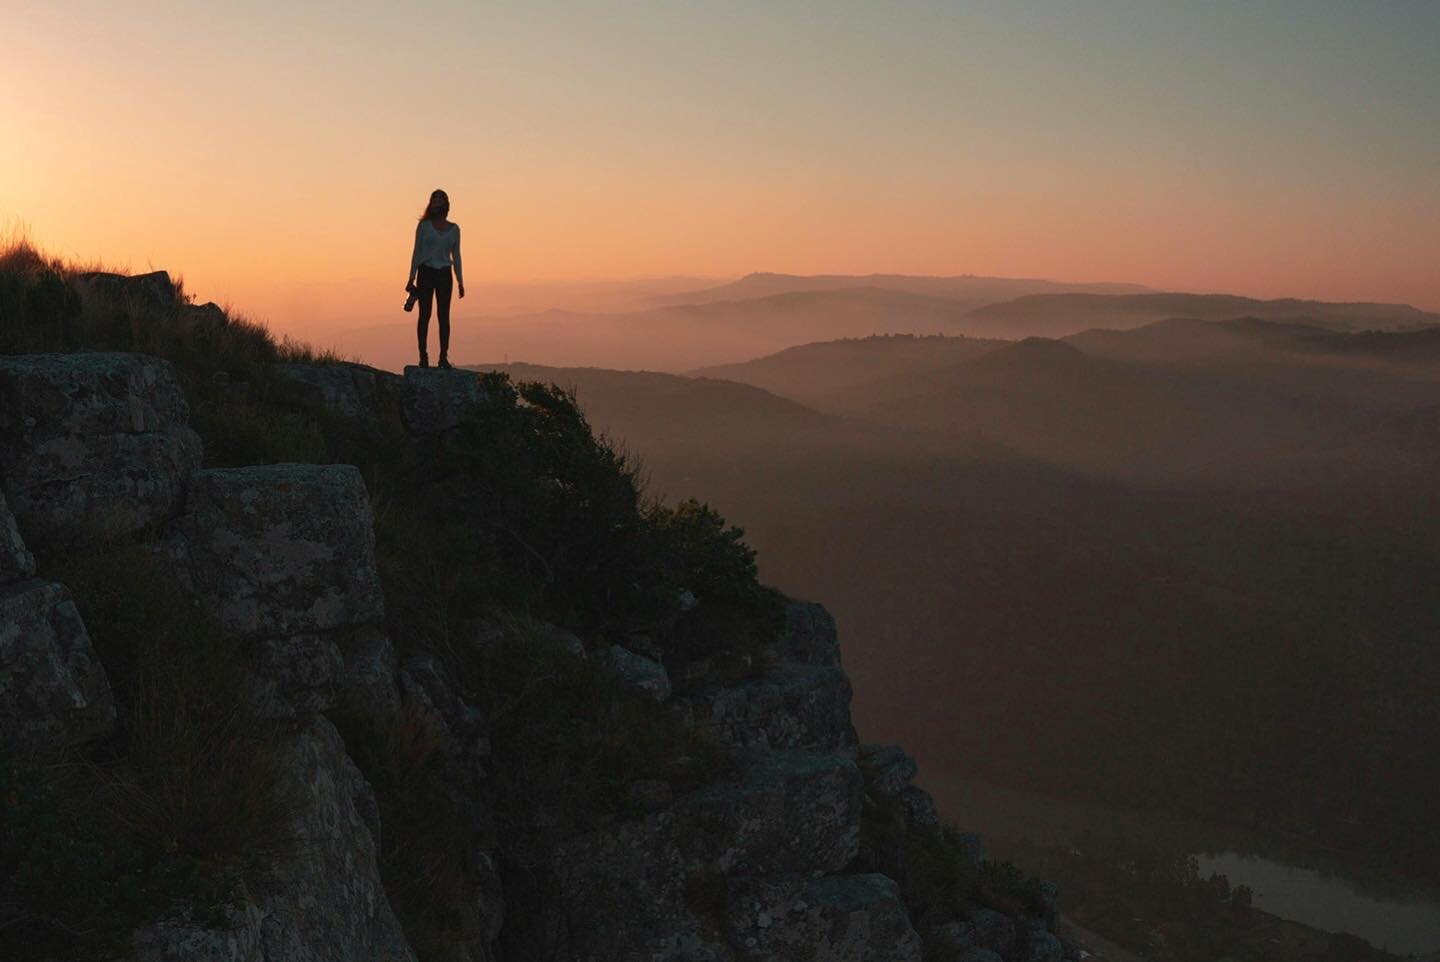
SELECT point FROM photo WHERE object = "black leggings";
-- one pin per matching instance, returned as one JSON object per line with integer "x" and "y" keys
{"x": 437, "y": 280}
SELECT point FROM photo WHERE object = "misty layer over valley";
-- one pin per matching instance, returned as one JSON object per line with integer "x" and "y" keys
{"x": 1168, "y": 554}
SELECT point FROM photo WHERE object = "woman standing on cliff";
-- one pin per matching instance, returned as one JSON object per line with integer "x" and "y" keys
{"x": 437, "y": 245}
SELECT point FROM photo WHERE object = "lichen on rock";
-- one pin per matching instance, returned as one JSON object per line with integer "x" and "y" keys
{"x": 53, "y": 689}
{"x": 92, "y": 445}
{"x": 279, "y": 550}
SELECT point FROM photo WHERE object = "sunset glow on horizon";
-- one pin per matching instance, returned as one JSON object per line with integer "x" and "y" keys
{"x": 277, "y": 158}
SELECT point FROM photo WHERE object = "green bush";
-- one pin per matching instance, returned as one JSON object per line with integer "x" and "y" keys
{"x": 554, "y": 510}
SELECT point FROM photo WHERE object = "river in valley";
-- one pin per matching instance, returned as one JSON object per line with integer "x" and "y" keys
{"x": 1401, "y": 917}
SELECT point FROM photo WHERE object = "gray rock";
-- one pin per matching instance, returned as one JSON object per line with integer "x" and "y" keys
{"x": 433, "y": 703}
{"x": 154, "y": 290}
{"x": 1041, "y": 946}
{"x": 297, "y": 674}
{"x": 791, "y": 811}
{"x": 985, "y": 929}
{"x": 321, "y": 900}
{"x": 326, "y": 901}
{"x": 654, "y": 887}
{"x": 92, "y": 445}
{"x": 810, "y": 637}
{"x": 280, "y": 550}
{"x": 433, "y": 400}
{"x": 563, "y": 637}
{"x": 53, "y": 690}
{"x": 977, "y": 954}
{"x": 833, "y": 918}
{"x": 649, "y": 794}
{"x": 792, "y": 706}
{"x": 635, "y": 671}
{"x": 16, "y": 563}
{"x": 359, "y": 398}
{"x": 183, "y": 940}
{"x": 888, "y": 769}
{"x": 919, "y": 809}
{"x": 367, "y": 686}
{"x": 202, "y": 322}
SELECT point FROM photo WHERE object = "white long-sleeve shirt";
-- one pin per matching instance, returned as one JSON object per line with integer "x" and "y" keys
{"x": 437, "y": 249}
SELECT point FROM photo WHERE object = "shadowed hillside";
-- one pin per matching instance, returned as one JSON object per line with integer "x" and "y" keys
{"x": 825, "y": 373}
{"x": 1233, "y": 640}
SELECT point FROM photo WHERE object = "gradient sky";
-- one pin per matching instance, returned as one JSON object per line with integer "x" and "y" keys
{"x": 277, "y": 154}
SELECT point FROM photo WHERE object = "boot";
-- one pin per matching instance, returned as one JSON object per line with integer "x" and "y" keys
{"x": 444, "y": 362}
{"x": 424, "y": 359}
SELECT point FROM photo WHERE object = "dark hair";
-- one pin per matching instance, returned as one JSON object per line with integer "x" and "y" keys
{"x": 435, "y": 194}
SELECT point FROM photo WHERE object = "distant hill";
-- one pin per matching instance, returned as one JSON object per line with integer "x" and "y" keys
{"x": 972, "y": 289}
{"x": 1278, "y": 413}
{"x": 1190, "y": 339}
{"x": 816, "y": 372}
{"x": 1057, "y": 315}
{"x": 1420, "y": 346}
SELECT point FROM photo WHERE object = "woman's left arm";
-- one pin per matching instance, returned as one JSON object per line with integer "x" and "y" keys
{"x": 455, "y": 256}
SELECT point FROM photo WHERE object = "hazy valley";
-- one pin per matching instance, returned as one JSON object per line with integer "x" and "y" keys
{"x": 1187, "y": 563}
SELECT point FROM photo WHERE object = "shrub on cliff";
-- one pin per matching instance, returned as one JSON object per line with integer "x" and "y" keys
{"x": 533, "y": 510}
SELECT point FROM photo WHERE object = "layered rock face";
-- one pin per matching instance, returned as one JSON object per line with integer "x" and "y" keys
{"x": 92, "y": 445}
{"x": 53, "y": 689}
{"x": 766, "y": 863}
{"x": 99, "y": 445}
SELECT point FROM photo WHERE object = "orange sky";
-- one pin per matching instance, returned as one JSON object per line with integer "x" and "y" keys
{"x": 278, "y": 158}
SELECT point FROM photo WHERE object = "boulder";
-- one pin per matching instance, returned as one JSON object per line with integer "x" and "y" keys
{"x": 561, "y": 637}
{"x": 790, "y": 811}
{"x": 810, "y": 637}
{"x": 92, "y": 445}
{"x": 919, "y": 809}
{"x": 16, "y": 563}
{"x": 888, "y": 768}
{"x": 279, "y": 550}
{"x": 1039, "y": 944}
{"x": 184, "y": 940}
{"x": 434, "y": 400}
{"x": 985, "y": 929}
{"x": 792, "y": 706}
{"x": 53, "y": 689}
{"x": 830, "y": 918}
{"x": 321, "y": 900}
{"x": 154, "y": 290}
{"x": 324, "y": 900}
{"x": 655, "y": 886}
{"x": 297, "y": 675}
{"x": 366, "y": 688}
{"x": 635, "y": 671}
{"x": 359, "y": 398}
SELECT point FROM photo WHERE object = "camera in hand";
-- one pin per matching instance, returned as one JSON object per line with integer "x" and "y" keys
{"x": 414, "y": 296}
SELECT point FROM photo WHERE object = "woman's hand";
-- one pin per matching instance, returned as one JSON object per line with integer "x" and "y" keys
{"x": 462, "y": 290}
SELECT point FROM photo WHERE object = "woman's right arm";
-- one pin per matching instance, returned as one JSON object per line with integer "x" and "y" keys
{"x": 414, "y": 258}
